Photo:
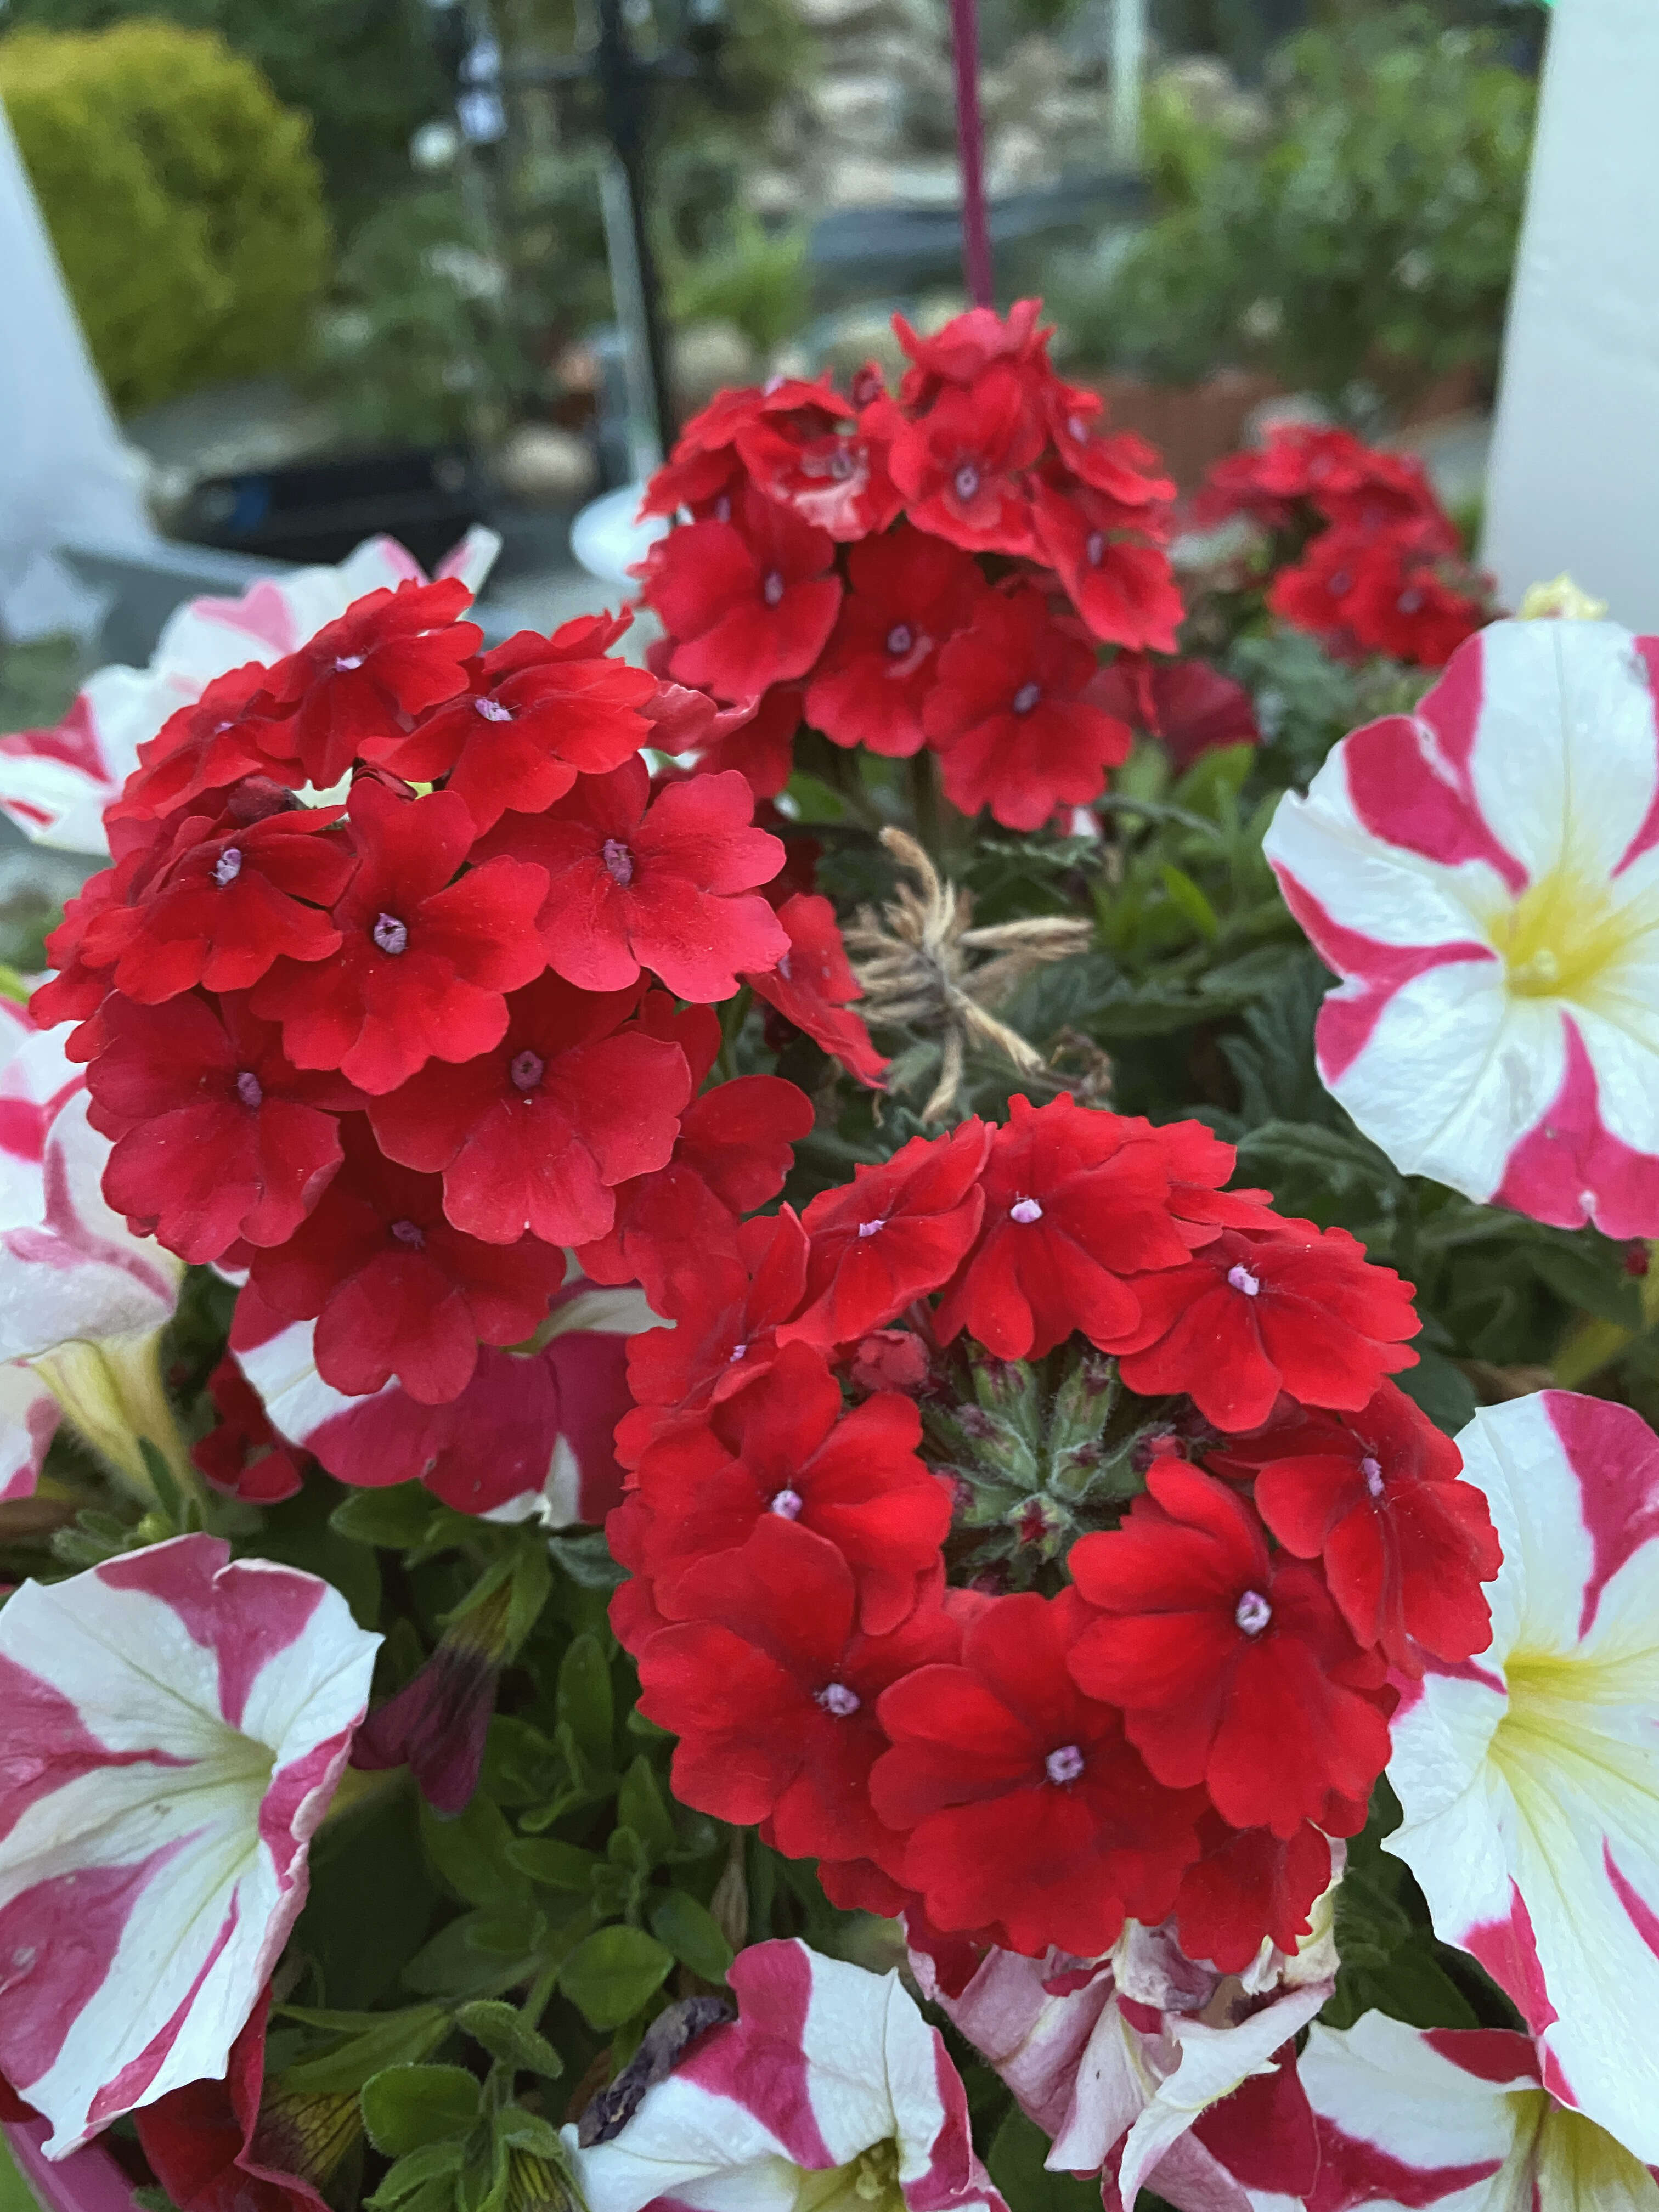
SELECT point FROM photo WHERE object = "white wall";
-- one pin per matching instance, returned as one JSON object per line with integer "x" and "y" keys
{"x": 1575, "y": 471}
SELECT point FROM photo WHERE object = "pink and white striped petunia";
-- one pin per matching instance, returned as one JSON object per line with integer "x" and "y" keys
{"x": 828, "y": 2090}
{"x": 171, "y": 1728}
{"x": 56, "y": 783}
{"x": 1484, "y": 875}
{"x": 69, "y": 1268}
{"x": 1529, "y": 1777}
{"x": 1455, "y": 2117}
{"x": 530, "y": 1438}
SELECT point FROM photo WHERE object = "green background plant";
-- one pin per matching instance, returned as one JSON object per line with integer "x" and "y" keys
{"x": 183, "y": 201}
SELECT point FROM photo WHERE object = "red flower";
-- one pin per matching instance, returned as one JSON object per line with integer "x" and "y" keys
{"x": 758, "y": 739}
{"x": 1232, "y": 1664}
{"x": 772, "y": 1692}
{"x": 1250, "y": 1884}
{"x": 391, "y": 654}
{"x": 1074, "y": 1202}
{"x": 959, "y": 466}
{"x": 1120, "y": 464}
{"x": 221, "y": 2147}
{"x": 1122, "y": 586}
{"x": 540, "y": 711}
{"x": 748, "y": 603}
{"x": 1375, "y": 1493}
{"x": 665, "y": 883}
{"x": 225, "y": 902}
{"x": 784, "y": 1446}
{"x": 1024, "y": 1804}
{"x": 735, "y": 1148}
{"x": 1010, "y": 716}
{"x": 234, "y": 730}
{"x": 536, "y": 1133}
{"x": 812, "y": 984}
{"x": 217, "y": 1137}
{"x": 705, "y": 466}
{"x": 970, "y": 343}
{"x": 1379, "y": 591}
{"x": 832, "y": 478}
{"x": 906, "y": 594}
{"x": 1188, "y": 705}
{"x": 1294, "y": 1308}
{"x": 725, "y": 1333}
{"x": 1345, "y": 479}
{"x": 396, "y": 1289}
{"x": 895, "y": 1233}
{"x": 424, "y": 963}
{"x": 243, "y": 1455}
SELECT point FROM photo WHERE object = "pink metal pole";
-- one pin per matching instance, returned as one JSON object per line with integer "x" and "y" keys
{"x": 970, "y": 146}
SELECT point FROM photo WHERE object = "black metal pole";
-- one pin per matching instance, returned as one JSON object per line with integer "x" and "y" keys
{"x": 623, "y": 87}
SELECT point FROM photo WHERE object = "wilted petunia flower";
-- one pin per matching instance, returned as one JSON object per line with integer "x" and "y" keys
{"x": 1484, "y": 874}
{"x": 171, "y": 1728}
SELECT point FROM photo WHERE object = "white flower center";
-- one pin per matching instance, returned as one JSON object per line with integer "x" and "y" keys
{"x": 227, "y": 866}
{"x": 836, "y": 1697}
{"x": 390, "y": 934}
{"x": 1373, "y": 1473}
{"x": 492, "y": 710}
{"x": 1065, "y": 1764}
{"x": 787, "y": 1505}
{"x": 869, "y": 1228}
{"x": 1025, "y": 1210}
{"x": 1253, "y": 1612}
{"x": 1242, "y": 1279}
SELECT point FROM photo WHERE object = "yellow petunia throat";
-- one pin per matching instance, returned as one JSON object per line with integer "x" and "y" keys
{"x": 1563, "y": 935}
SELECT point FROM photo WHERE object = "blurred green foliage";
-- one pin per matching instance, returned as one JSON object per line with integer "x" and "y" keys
{"x": 1359, "y": 249}
{"x": 362, "y": 70}
{"x": 183, "y": 201}
{"x": 754, "y": 278}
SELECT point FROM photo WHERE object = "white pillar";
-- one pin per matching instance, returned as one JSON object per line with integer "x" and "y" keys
{"x": 1129, "y": 69}
{"x": 63, "y": 474}
{"x": 1575, "y": 469}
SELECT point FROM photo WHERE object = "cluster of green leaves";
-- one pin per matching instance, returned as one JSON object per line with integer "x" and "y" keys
{"x": 1365, "y": 243}
{"x": 448, "y": 1972}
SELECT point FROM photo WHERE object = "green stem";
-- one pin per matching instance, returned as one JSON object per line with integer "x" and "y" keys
{"x": 921, "y": 775}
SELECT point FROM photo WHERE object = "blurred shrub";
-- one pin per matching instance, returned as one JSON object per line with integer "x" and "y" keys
{"x": 1361, "y": 249}
{"x": 414, "y": 346}
{"x": 184, "y": 202}
{"x": 363, "y": 70}
{"x": 754, "y": 279}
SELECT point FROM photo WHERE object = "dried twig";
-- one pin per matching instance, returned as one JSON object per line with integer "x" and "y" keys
{"x": 924, "y": 966}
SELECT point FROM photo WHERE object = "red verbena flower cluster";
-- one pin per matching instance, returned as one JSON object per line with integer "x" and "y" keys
{"x": 1378, "y": 564}
{"x": 935, "y": 568}
{"x": 1026, "y": 1532}
{"x": 400, "y": 985}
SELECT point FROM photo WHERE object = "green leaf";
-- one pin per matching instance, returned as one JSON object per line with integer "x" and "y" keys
{"x": 585, "y": 1698}
{"x": 1586, "y": 1273}
{"x": 1441, "y": 1390}
{"x": 163, "y": 1481}
{"x": 397, "y": 1519}
{"x": 372, "y": 1853}
{"x": 1015, "y": 2159}
{"x": 533, "y": 1581}
{"x": 555, "y": 1865}
{"x": 393, "y": 2039}
{"x": 1186, "y": 897}
{"x": 407, "y": 2107}
{"x": 639, "y": 1806}
{"x": 452, "y": 1966}
{"x": 693, "y": 1935}
{"x": 586, "y": 1559}
{"x": 415, "y": 2169}
{"x": 470, "y": 1851}
{"x": 505, "y": 2034}
{"x": 613, "y": 1973}
{"x": 529, "y": 2132}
